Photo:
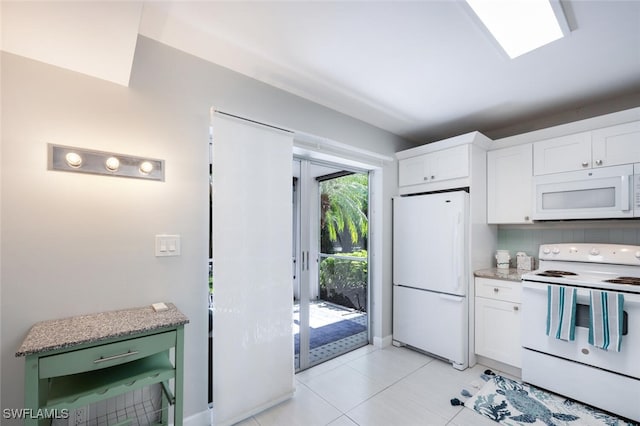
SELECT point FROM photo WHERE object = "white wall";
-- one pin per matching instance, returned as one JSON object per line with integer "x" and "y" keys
{"x": 73, "y": 244}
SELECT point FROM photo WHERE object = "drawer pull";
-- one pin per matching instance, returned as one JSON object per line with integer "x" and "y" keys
{"x": 111, "y": 358}
{"x": 496, "y": 289}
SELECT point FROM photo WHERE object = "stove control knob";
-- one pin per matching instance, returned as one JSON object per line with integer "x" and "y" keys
{"x": 638, "y": 254}
{"x": 556, "y": 250}
{"x": 546, "y": 250}
{"x": 594, "y": 251}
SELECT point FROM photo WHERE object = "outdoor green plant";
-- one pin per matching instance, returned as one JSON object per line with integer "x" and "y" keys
{"x": 344, "y": 281}
{"x": 344, "y": 205}
{"x": 344, "y": 225}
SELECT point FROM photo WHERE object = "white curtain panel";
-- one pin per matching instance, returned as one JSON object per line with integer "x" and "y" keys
{"x": 252, "y": 233}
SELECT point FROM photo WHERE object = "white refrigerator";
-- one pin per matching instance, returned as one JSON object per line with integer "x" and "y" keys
{"x": 430, "y": 279}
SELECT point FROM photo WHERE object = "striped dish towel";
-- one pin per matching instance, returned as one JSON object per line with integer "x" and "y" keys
{"x": 561, "y": 312}
{"x": 605, "y": 320}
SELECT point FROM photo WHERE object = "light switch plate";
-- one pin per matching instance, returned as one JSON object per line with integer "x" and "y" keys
{"x": 167, "y": 245}
{"x": 159, "y": 307}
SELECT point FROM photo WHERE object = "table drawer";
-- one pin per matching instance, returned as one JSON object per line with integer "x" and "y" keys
{"x": 509, "y": 291}
{"x": 104, "y": 356}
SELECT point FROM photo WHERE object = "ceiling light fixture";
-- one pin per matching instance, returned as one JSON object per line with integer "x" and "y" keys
{"x": 70, "y": 159}
{"x": 520, "y": 26}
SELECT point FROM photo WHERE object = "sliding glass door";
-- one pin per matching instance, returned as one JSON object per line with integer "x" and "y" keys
{"x": 330, "y": 261}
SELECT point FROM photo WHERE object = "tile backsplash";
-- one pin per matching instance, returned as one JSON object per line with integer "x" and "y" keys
{"x": 528, "y": 240}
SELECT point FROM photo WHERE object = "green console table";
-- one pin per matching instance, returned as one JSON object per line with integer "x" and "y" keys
{"x": 77, "y": 361}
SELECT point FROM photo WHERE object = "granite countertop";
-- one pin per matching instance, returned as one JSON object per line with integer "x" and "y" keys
{"x": 510, "y": 274}
{"x": 62, "y": 333}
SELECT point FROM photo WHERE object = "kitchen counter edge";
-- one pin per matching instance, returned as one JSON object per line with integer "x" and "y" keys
{"x": 511, "y": 274}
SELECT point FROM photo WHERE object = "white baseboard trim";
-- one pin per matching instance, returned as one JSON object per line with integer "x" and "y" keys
{"x": 382, "y": 342}
{"x": 501, "y": 367}
{"x": 247, "y": 414}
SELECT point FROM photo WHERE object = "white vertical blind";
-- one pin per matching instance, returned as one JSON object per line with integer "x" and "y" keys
{"x": 253, "y": 299}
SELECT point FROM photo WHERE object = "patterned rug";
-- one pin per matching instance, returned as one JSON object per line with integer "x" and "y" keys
{"x": 517, "y": 404}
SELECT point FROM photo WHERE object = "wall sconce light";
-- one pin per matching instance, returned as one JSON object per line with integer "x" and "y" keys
{"x": 112, "y": 164}
{"x": 70, "y": 159}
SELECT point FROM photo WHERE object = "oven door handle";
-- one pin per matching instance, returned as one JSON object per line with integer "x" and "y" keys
{"x": 583, "y": 294}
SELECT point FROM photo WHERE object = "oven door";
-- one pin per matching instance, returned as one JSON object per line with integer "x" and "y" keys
{"x": 534, "y": 322}
{"x": 585, "y": 194}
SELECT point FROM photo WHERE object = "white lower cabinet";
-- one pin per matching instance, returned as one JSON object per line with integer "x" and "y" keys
{"x": 497, "y": 320}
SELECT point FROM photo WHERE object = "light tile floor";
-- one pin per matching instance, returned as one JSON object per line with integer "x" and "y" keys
{"x": 370, "y": 386}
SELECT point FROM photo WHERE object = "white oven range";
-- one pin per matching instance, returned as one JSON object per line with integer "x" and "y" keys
{"x": 607, "y": 379}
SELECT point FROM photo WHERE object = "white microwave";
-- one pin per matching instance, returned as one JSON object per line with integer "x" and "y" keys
{"x": 600, "y": 193}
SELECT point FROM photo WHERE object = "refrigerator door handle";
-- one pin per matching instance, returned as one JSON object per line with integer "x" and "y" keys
{"x": 456, "y": 251}
{"x": 451, "y": 298}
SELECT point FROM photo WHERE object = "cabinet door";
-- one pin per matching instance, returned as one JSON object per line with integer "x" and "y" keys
{"x": 509, "y": 184}
{"x": 412, "y": 171}
{"x": 452, "y": 163}
{"x": 563, "y": 154}
{"x": 498, "y": 330}
{"x": 616, "y": 145}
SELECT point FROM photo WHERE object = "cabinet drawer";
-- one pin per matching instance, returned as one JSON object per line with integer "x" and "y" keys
{"x": 104, "y": 356}
{"x": 509, "y": 291}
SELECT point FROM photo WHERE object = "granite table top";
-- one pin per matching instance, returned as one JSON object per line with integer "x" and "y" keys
{"x": 50, "y": 335}
{"x": 510, "y": 274}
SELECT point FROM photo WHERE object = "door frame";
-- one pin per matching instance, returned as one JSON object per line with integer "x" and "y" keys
{"x": 309, "y": 245}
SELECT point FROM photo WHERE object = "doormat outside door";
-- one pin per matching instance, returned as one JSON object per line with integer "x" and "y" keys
{"x": 319, "y": 336}
{"x": 512, "y": 403}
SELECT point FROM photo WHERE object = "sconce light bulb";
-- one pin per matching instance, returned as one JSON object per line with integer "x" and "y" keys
{"x": 146, "y": 167}
{"x": 112, "y": 164}
{"x": 73, "y": 159}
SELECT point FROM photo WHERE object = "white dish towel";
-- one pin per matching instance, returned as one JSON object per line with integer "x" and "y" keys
{"x": 605, "y": 320}
{"x": 561, "y": 312}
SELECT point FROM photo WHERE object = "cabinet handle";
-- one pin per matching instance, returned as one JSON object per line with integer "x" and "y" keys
{"x": 433, "y": 177}
{"x": 496, "y": 289}
{"x": 111, "y": 358}
{"x": 425, "y": 178}
{"x": 515, "y": 308}
{"x": 526, "y": 218}
{"x": 585, "y": 164}
{"x": 598, "y": 162}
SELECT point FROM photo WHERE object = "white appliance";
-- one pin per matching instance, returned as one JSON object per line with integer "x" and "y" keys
{"x": 636, "y": 189}
{"x": 430, "y": 275}
{"x": 586, "y": 194}
{"x": 606, "y": 379}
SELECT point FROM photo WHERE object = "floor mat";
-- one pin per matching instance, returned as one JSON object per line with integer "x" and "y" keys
{"x": 320, "y": 336}
{"x": 509, "y": 402}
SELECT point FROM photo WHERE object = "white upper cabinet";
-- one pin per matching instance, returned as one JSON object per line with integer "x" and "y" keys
{"x": 609, "y": 146}
{"x": 562, "y": 154}
{"x": 412, "y": 171}
{"x": 616, "y": 145}
{"x": 509, "y": 184}
{"x": 450, "y": 163}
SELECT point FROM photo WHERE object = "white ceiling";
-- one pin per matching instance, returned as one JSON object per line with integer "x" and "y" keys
{"x": 93, "y": 38}
{"x": 420, "y": 69}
